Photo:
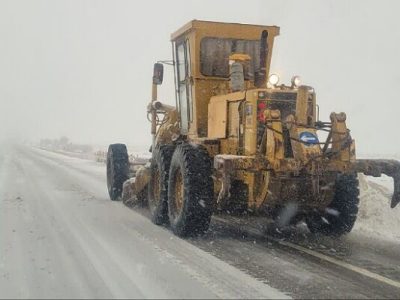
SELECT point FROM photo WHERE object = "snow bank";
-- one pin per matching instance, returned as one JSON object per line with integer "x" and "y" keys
{"x": 375, "y": 216}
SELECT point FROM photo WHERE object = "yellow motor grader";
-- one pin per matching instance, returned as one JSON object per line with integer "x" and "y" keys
{"x": 238, "y": 142}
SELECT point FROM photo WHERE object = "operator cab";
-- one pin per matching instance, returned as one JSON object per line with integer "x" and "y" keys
{"x": 202, "y": 52}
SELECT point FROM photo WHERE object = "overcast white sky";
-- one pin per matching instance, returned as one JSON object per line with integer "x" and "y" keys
{"x": 83, "y": 68}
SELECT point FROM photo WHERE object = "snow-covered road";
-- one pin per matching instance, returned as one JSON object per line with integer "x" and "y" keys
{"x": 61, "y": 237}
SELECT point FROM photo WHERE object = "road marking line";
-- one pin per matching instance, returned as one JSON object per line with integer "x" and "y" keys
{"x": 332, "y": 260}
{"x": 340, "y": 263}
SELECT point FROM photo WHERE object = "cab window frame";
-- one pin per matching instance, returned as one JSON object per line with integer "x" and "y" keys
{"x": 183, "y": 81}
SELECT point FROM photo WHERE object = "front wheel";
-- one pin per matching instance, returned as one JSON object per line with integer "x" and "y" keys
{"x": 340, "y": 216}
{"x": 117, "y": 169}
{"x": 190, "y": 191}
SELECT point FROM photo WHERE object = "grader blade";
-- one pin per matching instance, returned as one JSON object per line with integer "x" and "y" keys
{"x": 377, "y": 167}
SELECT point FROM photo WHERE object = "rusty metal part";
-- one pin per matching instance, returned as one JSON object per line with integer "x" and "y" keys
{"x": 344, "y": 147}
{"x": 136, "y": 186}
{"x": 225, "y": 168}
{"x": 302, "y": 104}
{"x": 142, "y": 178}
{"x": 272, "y": 142}
{"x": 377, "y": 167}
{"x": 128, "y": 191}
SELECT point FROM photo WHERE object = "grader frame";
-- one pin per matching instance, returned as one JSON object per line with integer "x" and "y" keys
{"x": 260, "y": 138}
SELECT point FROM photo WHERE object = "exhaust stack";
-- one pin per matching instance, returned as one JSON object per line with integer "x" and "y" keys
{"x": 260, "y": 79}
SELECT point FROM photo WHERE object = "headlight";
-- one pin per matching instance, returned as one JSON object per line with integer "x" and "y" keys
{"x": 296, "y": 81}
{"x": 273, "y": 79}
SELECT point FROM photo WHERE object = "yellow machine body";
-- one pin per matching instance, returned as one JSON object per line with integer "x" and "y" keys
{"x": 263, "y": 136}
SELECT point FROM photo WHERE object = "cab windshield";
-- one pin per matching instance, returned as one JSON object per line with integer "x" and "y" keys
{"x": 215, "y": 52}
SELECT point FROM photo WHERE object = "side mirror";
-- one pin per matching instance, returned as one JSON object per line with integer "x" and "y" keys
{"x": 158, "y": 73}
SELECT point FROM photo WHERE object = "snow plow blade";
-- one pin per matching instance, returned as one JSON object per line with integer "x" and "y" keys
{"x": 377, "y": 167}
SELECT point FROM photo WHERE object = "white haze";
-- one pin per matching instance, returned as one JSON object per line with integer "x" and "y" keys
{"x": 83, "y": 68}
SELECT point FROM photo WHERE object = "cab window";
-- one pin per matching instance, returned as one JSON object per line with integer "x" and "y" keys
{"x": 215, "y": 52}
{"x": 183, "y": 84}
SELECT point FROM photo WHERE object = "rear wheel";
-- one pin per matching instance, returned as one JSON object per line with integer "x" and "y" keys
{"x": 190, "y": 191}
{"x": 117, "y": 169}
{"x": 340, "y": 216}
{"x": 158, "y": 185}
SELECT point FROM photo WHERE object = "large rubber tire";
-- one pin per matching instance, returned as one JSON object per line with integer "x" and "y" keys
{"x": 117, "y": 169}
{"x": 190, "y": 191}
{"x": 341, "y": 214}
{"x": 158, "y": 185}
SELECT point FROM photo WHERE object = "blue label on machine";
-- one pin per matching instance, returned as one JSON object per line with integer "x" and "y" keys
{"x": 309, "y": 138}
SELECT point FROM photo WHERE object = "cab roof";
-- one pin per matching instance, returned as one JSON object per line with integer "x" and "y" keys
{"x": 212, "y": 28}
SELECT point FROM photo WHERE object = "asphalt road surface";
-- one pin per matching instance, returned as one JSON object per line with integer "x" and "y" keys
{"x": 61, "y": 237}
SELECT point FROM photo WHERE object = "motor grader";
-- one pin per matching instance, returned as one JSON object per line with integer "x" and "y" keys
{"x": 238, "y": 142}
